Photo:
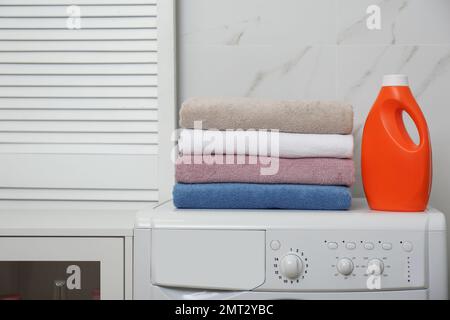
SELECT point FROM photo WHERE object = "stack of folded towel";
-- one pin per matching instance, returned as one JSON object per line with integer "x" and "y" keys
{"x": 303, "y": 158}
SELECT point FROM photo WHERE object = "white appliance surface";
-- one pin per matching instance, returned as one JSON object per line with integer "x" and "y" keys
{"x": 277, "y": 254}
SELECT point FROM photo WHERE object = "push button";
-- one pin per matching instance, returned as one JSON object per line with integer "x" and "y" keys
{"x": 387, "y": 246}
{"x": 407, "y": 246}
{"x": 332, "y": 245}
{"x": 275, "y": 245}
{"x": 350, "y": 245}
{"x": 369, "y": 246}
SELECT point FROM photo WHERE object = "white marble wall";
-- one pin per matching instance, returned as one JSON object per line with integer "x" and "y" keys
{"x": 322, "y": 49}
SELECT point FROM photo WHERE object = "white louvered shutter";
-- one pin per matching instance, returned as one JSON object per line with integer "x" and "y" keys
{"x": 79, "y": 107}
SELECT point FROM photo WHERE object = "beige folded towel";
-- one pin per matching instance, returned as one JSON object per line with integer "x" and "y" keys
{"x": 318, "y": 117}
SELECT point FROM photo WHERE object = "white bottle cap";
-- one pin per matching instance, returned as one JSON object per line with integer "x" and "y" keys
{"x": 390, "y": 80}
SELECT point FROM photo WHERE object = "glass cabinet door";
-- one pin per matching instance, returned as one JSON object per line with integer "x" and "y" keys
{"x": 49, "y": 280}
{"x": 61, "y": 268}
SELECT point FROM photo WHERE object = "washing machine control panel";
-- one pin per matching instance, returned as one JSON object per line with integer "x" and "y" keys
{"x": 344, "y": 260}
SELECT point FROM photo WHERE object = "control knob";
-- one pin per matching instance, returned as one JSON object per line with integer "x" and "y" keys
{"x": 345, "y": 266}
{"x": 375, "y": 267}
{"x": 291, "y": 266}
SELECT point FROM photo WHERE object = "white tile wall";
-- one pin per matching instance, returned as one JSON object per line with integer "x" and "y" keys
{"x": 403, "y": 22}
{"x": 257, "y": 22}
{"x": 293, "y": 72}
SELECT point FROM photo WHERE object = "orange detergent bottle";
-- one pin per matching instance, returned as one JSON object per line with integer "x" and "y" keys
{"x": 396, "y": 172}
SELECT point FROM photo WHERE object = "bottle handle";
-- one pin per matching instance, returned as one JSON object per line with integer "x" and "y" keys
{"x": 419, "y": 121}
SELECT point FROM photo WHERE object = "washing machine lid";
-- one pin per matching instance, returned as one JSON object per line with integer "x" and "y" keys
{"x": 359, "y": 217}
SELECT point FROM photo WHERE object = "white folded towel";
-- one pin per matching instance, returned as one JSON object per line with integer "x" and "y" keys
{"x": 265, "y": 143}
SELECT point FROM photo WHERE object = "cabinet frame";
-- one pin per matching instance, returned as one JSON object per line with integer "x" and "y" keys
{"x": 109, "y": 251}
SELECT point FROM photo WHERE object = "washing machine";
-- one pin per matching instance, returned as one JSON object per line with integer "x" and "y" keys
{"x": 279, "y": 254}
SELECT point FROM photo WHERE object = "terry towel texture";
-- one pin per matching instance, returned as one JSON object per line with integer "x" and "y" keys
{"x": 261, "y": 196}
{"x": 290, "y": 145}
{"x": 318, "y": 117}
{"x": 320, "y": 171}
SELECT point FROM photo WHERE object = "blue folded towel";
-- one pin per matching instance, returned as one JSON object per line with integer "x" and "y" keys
{"x": 261, "y": 196}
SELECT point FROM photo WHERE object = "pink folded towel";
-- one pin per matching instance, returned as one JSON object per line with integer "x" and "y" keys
{"x": 323, "y": 171}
